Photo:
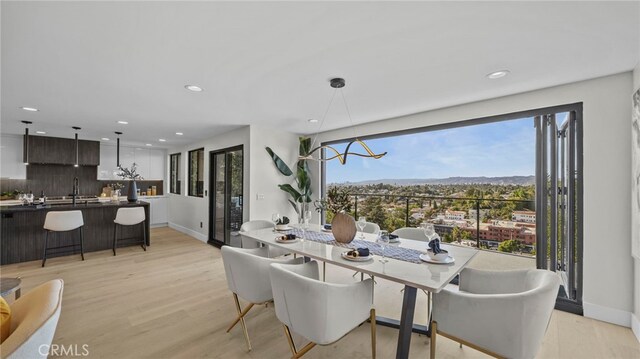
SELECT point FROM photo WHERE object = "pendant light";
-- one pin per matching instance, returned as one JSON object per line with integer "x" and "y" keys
{"x": 25, "y": 150}
{"x": 338, "y": 84}
{"x": 76, "y": 144}
{"x": 118, "y": 149}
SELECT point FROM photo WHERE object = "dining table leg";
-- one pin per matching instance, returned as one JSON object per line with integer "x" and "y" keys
{"x": 406, "y": 322}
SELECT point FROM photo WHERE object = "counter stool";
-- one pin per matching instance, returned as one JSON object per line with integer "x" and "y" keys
{"x": 63, "y": 221}
{"x": 129, "y": 217}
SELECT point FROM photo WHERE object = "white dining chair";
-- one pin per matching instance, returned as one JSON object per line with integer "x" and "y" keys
{"x": 321, "y": 312}
{"x": 247, "y": 272}
{"x": 416, "y": 234}
{"x": 504, "y": 314}
{"x": 372, "y": 228}
{"x": 247, "y": 242}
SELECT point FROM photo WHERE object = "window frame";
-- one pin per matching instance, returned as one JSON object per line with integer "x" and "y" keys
{"x": 177, "y": 187}
{"x": 192, "y": 192}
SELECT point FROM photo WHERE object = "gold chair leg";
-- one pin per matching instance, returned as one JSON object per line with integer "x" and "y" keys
{"x": 372, "y": 319}
{"x": 434, "y": 333}
{"x": 240, "y": 318}
{"x": 296, "y": 354}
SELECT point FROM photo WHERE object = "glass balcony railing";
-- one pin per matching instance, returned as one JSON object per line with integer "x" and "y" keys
{"x": 502, "y": 225}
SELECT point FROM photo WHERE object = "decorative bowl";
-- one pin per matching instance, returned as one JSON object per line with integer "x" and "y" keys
{"x": 438, "y": 257}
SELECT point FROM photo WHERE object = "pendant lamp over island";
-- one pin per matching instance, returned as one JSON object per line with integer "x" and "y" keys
{"x": 118, "y": 148}
{"x": 25, "y": 150}
{"x": 76, "y": 163}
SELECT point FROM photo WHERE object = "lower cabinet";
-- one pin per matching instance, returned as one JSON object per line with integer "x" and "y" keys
{"x": 158, "y": 209}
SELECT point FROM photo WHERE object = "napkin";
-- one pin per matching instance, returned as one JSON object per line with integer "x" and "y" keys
{"x": 288, "y": 237}
{"x": 393, "y": 236}
{"x": 327, "y": 226}
{"x": 434, "y": 245}
{"x": 359, "y": 252}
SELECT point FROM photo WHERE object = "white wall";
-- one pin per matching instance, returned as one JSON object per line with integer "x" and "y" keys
{"x": 264, "y": 175}
{"x": 11, "y": 161}
{"x": 151, "y": 162}
{"x": 608, "y": 276}
{"x": 186, "y": 213}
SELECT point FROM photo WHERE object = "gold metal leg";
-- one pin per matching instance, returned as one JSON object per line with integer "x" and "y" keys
{"x": 372, "y": 319}
{"x": 292, "y": 345}
{"x": 434, "y": 333}
{"x": 240, "y": 318}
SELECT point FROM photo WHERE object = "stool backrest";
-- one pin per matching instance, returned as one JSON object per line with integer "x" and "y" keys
{"x": 61, "y": 221}
{"x": 130, "y": 216}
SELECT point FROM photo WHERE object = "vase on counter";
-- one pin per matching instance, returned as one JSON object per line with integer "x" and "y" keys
{"x": 132, "y": 196}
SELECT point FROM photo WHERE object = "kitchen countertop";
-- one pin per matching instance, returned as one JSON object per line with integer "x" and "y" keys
{"x": 62, "y": 207}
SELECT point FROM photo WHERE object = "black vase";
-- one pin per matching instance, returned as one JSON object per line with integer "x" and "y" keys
{"x": 133, "y": 192}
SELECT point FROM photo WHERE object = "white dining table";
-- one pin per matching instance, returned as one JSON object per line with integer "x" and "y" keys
{"x": 425, "y": 276}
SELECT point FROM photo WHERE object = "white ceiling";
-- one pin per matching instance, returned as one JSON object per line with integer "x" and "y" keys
{"x": 94, "y": 63}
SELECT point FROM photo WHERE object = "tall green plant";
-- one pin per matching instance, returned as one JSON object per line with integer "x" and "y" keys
{"x": 302, "y": 179}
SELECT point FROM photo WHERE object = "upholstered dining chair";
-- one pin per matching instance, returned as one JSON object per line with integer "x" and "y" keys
{"x": 504, "y": 314}
{"x": 321, "y": 312}
{"x": 411, "y": 233}
{"x": 248, "y": 242}
{"x": 34, "y": 318}
{"x": 371, "y": 227}
{"x": 247, "y": 272}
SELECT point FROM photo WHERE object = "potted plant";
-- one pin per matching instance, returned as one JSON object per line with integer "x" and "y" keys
{"x": 337, "y": 203}
{"x": 301, "y": 194}
{"x": 131, "y": 174}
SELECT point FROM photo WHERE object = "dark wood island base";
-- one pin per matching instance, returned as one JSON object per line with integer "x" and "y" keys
{"x": 22, "y": 235}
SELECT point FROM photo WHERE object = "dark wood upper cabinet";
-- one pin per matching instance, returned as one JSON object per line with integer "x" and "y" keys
{"x": 62, "y": 151}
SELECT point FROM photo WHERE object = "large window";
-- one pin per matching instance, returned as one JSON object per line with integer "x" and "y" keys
{"x": 196, "y": 173}
{"x": 174, "y": 173}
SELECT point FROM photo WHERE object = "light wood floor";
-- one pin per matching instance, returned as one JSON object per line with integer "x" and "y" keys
{"x": 172, "y": 302}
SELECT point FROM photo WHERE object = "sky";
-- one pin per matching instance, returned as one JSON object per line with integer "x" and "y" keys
{"x": 505, "y": 148}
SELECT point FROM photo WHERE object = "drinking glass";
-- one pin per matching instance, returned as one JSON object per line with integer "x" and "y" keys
{"x": 30, "y": 198}
{"x": 275, "y": 218}
{"x": 362, "y": 221}
{"x": 383, "y": 239}
{"x": 428, "y": 229}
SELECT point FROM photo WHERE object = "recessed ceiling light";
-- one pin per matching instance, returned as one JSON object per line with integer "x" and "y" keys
{"x": 498, "y": 74}
{"x": 162, "y": 140}
{"x": 148, "y": 144}
{"x": 105, "y": 139}
{"x": 123, "y": 122}
{"x": 31, "y": 109}
{"x": 179, "y": 133}
{"x": 194, "y": 88}
{"x": 41, "y": 132}
{"x": 312, "y": 120}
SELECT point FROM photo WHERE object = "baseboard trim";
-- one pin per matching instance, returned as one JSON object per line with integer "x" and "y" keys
{"x": 606, "y": 314}
{"x": 189, "y": 232}
{"x": 158, "y": 225}
{"x": 635, "y": 326}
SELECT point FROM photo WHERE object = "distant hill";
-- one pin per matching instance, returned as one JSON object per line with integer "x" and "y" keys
{"x": 510, "y": 180}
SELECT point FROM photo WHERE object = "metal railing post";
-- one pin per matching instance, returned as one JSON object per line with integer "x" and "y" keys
{"x": 355, "y": 207}
{"x": 406, "y": 213}
{"x": 478, "y": 223}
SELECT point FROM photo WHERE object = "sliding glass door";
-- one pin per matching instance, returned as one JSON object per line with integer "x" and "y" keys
{"x": 559, "y": 201}
{"x": 226, "y": 202}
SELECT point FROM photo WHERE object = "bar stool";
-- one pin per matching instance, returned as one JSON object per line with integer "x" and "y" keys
{"x": 63, "y": 221}
{"x": 129, "y": 217}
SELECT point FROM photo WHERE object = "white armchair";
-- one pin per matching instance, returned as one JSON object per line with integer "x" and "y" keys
{"x": 247, "y": 272}
{"x": 371, "y": 227}
{"x": 34, "y": 318}
{"x": 410, "y": 233}
{"x": 248, "y": 242}
{"x": 320, "y": 312}
{"x": 501, "y": 313}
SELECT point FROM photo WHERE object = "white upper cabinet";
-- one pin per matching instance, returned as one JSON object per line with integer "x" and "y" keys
{"x": 11, "y": 162}
{"x": 150, "y": 162}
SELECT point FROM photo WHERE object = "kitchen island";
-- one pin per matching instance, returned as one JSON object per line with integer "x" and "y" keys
{"x": 22, "y": 233}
